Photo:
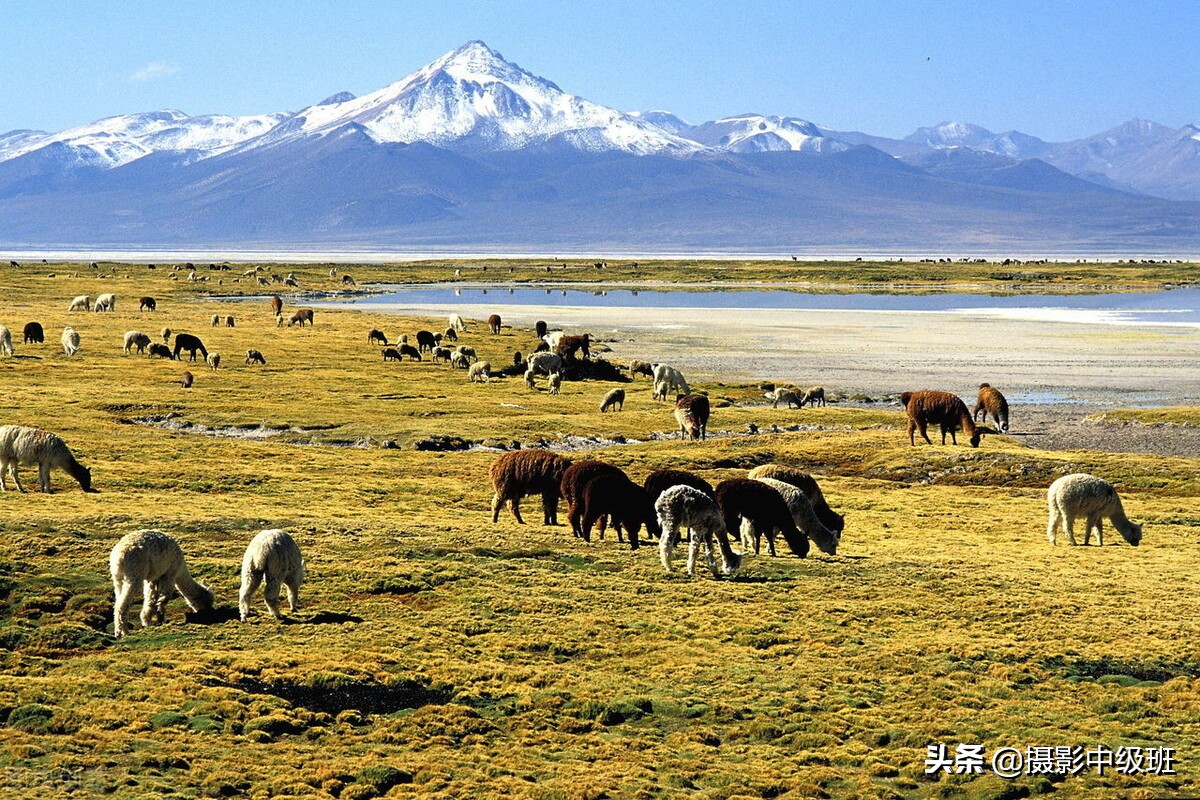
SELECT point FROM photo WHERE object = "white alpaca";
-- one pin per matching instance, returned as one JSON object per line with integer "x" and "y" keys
{"x": 106, "y": 302}
{"x": 272, "y": 555}
{"x": 21, "y": 446}
{"x": 152, "y": 559}
{"x": 684, "y": 506}
{"x": 457, "y": 323}
{"x": 81, "y": 303}
{"x": 554, "y": 382}
{"x": 216, "y": 320}
{"x": 6, "y": 341}
{"x": 70, "y": 341}
{"x": 802, "y": 513}
{"x": 136, "y": 339}
{"x": 1082, "y": 495}
{"x": 214, "y": 360}
{"x": 667, "y": 378}
{"x": 480, "y": 372}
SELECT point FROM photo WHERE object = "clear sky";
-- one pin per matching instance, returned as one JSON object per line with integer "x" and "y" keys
{"x": 1058, "y": 69}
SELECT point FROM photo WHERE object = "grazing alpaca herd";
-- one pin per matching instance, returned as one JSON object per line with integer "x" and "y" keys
{"x": 770, "y": 500}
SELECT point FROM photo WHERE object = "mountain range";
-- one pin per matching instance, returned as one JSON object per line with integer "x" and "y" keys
{"x": 472, "y": 151}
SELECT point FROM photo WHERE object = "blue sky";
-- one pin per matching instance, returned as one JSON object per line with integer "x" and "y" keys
{"x": 1058, "y": 69}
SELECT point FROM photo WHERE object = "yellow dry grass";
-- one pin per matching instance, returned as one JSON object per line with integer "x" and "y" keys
{"x": 477, "y": 660}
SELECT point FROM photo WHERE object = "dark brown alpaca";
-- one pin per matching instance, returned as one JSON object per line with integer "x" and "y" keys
{"x": 763, "y": 507}
{"x": 568, "y": 345}
{"x": 626, "y": 504}
{"x": 660, "y": 480}
{"x": 525, "y": 472}
{"x": 578, "y": 476}
{"x": 276, "y": 305}
{"x": 691, "y": 412}
{"x": 494, "y": 323}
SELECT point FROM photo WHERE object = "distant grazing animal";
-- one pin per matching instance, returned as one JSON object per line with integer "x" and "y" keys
{"x": 765, "y": 508}
{"x": 569, "y": 345}
{"x": 279, "y": 321}
{"x": 34, "y": 333}
{"x": 552, "y": 338}
{"x": 814, "y": 396}
{"x": 214, "y": 360}
{"x": 542, "y": 347}
{"x": 666, "y": 379}
{"x": 106, "y": 302}
{"x": 255, "y": 357}
{"x": 22, "y": 446}
{"x": 348, "y": 281}
{"x": 153, "y": 560}
{"x": 450, "y": 335}
{"x": 539, "y": 328}
{"x": 216, "y": 320}
{"x": 301, "y": 316}
{"x": 272, "y": 556}
{"x": 136, "y": 339}
{"x": 459, "y": 361}
{"x": 990, "y": 401}
{"x": 803, "y": 515}
{"x": 81, "y": 303}
{"x": 161, "y": 351}
{"x": 391, "y": 354}
{"x": 494, "y": 323}
{"x": 457, "y": 322}
{"x": 186, "y": 380}
{"x": 375, "y": 336}
{"x": 787, "y": 397}
{"x": 426, "y": 341}
{"x": 943, "y": 409}
{"x": 468, "y": 352}
{"x": 229, "y": 323}
{"x": 614, "y": 400}
{"x": 544, "y": 363}
{"x": 554, "y": 383}
{"x": 441, "y": 354}
{"x": 684, "y": 506}
{"x": 408, "y": 350}
{"x": 166, "y": 334}
{"x": 147, "y": 304}
{"x": 276, "y": 305}
{"x": 576, "y": 477}
{"x": 524, "y": 472}
{"x": 70, "y": 341}
{"x": 641, "y": 368}
{"x": 186, "y": 341}
{"x": 6, "y": 345}
{"x": 626, "y": 505}
{"x": 805, "y": 483}
{"x": 691, "y": 412}
{"x": 1082, "y": 495}
{"x": 480, "y": 372}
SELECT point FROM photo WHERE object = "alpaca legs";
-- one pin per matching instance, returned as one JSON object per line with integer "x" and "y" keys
{"x": 1094, "y": 521}
{"x": 549, "y": 508}
{"x": 123, "y": 591}
{"x": 496, "y": 504}
{"x": 292, "y": 587}
{"x": 1068, "y": 525}
{"x": 516, "y": 510}
{"x": 250, "y": 584}
{"x": 271, "y": 595}
{"x": 1052, "y": 525}
{"x": 666, "y": 546}
{"x": 44, "y": 476}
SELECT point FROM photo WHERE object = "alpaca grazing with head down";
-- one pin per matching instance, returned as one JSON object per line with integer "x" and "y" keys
{"x": 21, "y": 446}
{"x": 272, "y": 556}
{"x": 1082, "y": 495}
{"x": 153, "y": 560}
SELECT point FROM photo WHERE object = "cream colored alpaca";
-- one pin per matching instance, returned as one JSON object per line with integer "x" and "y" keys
{"x": 272, "y": 556}
{"x": 152, "y": 559}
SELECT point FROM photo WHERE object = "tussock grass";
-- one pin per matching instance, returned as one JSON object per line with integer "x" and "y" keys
{"x": 438, "y": 654}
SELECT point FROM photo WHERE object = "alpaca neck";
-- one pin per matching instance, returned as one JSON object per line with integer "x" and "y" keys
{"x": 1121, "y": 522}
{"x": 77, "y": 471}
{"x": 198, "y": 597}
{"x": 968, "y": 424}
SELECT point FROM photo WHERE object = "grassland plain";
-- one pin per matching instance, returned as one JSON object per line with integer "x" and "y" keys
{"x": 438, "y": 654}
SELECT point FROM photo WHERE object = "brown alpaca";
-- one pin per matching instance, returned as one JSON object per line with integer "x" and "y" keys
{"x": 805, "y": 483}
{"x": 276, "y": 305}
{"x": 691, "y": 412}
{"x": 376, "y": 336}
{"x": 990, "y": 401}
{"x": 763, "y": 507}
{"x": 568, "y": 345}
{"x": 575, "y": 478}
{"x": 524, "y": 472}
{"x": 625, "y": 503}
{"x": 660, "y": 480}
{"x": 641, "y": 368}
{"x": 301, "y": 316}
{"x": 942, "y": 409}
{"x": 147, "y": 304}
{"x": 494, "y": 323}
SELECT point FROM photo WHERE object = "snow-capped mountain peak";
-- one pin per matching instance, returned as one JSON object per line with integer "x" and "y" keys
{"x": 472, "y": 99}
{"x": 754, "y": 133}
{"x": 951, "y": 134}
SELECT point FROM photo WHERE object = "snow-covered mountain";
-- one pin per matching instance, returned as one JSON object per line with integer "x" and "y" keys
{"x": 755, "y": 133}
{"x": 473, "y": 100}
{"x": 119, "y": 140}
{"x": 663, "y": 119}
{"x": 974, "y": 137}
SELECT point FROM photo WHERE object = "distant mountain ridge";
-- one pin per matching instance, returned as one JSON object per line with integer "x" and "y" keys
{"x": 473, "y": 149}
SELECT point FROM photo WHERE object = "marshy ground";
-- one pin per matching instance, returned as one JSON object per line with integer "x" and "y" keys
{"x": 438, "y": 654}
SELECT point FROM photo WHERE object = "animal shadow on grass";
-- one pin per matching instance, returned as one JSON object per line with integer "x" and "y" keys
{"x": 213, "y": 616}
{"x": 322, "y": 618}
{"x": 742, "y": 578}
